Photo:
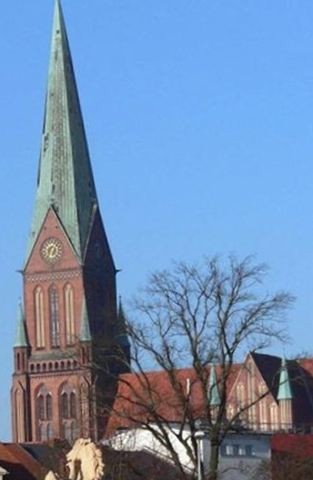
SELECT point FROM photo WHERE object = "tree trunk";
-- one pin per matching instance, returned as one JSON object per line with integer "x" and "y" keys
{"x": 214, "y": 458}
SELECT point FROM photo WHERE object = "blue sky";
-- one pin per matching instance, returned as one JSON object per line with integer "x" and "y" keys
{"x": 199, "y": 116}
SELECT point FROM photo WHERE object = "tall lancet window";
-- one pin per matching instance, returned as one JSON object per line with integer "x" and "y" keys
{"x": 69, "y": 314}
{"x": 54, "y": 316}
{"x": 39, "y": 318}
{"x": 68, "y": 412}
{"x": 43, "y": 402}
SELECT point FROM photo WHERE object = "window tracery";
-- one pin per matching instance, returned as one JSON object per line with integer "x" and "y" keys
{"x": 68, "y": 412}
{"x": 39, "y": 318}
{"x": 44, "y": 414}
{"x": 69, "y": 314}
{"x": 54, "y": 316}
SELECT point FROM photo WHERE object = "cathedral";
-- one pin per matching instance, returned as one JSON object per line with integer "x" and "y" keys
{"x": 71, "y": 341}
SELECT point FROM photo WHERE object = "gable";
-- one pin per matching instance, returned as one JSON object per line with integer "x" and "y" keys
{"x": 51, "y": 232}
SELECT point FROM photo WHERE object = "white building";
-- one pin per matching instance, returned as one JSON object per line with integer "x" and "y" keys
{"x": 240, "y": 454}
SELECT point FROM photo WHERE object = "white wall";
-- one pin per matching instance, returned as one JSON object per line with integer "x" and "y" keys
{"x": 240, "y": 454}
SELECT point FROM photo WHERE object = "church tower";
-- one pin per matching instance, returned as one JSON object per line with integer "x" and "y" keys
{"x": 69, "y": 320}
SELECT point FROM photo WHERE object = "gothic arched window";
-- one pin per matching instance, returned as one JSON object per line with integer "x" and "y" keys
{"x": 42, "y": 432}
{"x": 41, "y": 407}
{"x": 44, "y": 414}
{"x": 18, "y": 361}
{"x": 68, "y": 413}
{"x": 54, "y": 316}
{"x": 49, "y": 407}
{"x": 49, "y": 432}
{"x": 64, "y": 406}
{"x": 39, "y": 318}
{"x": 73, "y": 431}
{"x": 73, "y": 405}
{"x": 68, "y": 431}
{"x": 69, "y": 314}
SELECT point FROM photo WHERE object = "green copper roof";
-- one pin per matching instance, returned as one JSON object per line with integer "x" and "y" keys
{"x": 85, "y": 335}
{"x": 284, "y": 389}
{"x": 214, "y": 394}
{"x": 65, "y": 180}
{"x": 20, "y": 339}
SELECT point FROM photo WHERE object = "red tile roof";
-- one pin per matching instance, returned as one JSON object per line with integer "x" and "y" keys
{"x": 139, "y": 394}
{"x": 20, "y": 464}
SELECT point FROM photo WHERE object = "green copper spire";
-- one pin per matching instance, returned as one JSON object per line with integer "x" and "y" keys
{"x": 122, "y": 337}
{"x": 65, "y": 180}
{"x": 85, "y": 335}
{"x": 214, "y": 394}
{"x": 20, "y": 339}
{"x": 284, "y": 389}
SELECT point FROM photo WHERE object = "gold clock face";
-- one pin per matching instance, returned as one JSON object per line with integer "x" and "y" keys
{"x": 51, "y": 250}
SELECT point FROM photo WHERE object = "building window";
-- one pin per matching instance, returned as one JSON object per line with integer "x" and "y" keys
{"x": 68, "y": 412}
{"x": 73, "y": 431}
{"x": 237, "y": 450}
{"x": 73, "y": 405}
{"x": 69, "y": 314}
{"x": 250, "y": 452}
{"x": 54, "y": 316}
{"x": 44, "y": 414}
{"x": 64, "y": 405}
{"x": 41, "y": 407}
{"x": 42, "y": 432}
{"x": 228, "y": 450}
{"x": 49, "y": 432}
{"x": 241, "y": 450}
{"x": 39, "y": 318}
{"x": 18, "y": 361}
{"x": 49, "y": 407}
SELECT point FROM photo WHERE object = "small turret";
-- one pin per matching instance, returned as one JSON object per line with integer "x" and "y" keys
{"x": 285, "y": 397}
{"x": 121, "y": 333}
{"x": 21, "y": 338}
{"x": 213, "y": 393}
{"x": 85, "y": 335}
{"x": 21, "y": 343}
{"x": 214, "y": 398}
{"x": 284, "y": 389}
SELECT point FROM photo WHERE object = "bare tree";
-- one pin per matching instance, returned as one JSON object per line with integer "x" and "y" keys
{"x": 195, "y": 315}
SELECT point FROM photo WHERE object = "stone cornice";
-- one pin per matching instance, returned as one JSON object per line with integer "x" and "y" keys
{"x": 52, "y": 276}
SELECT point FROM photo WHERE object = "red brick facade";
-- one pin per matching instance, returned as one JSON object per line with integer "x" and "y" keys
{"x": 66, "y": 369}
{"x": 69, "y": 292}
